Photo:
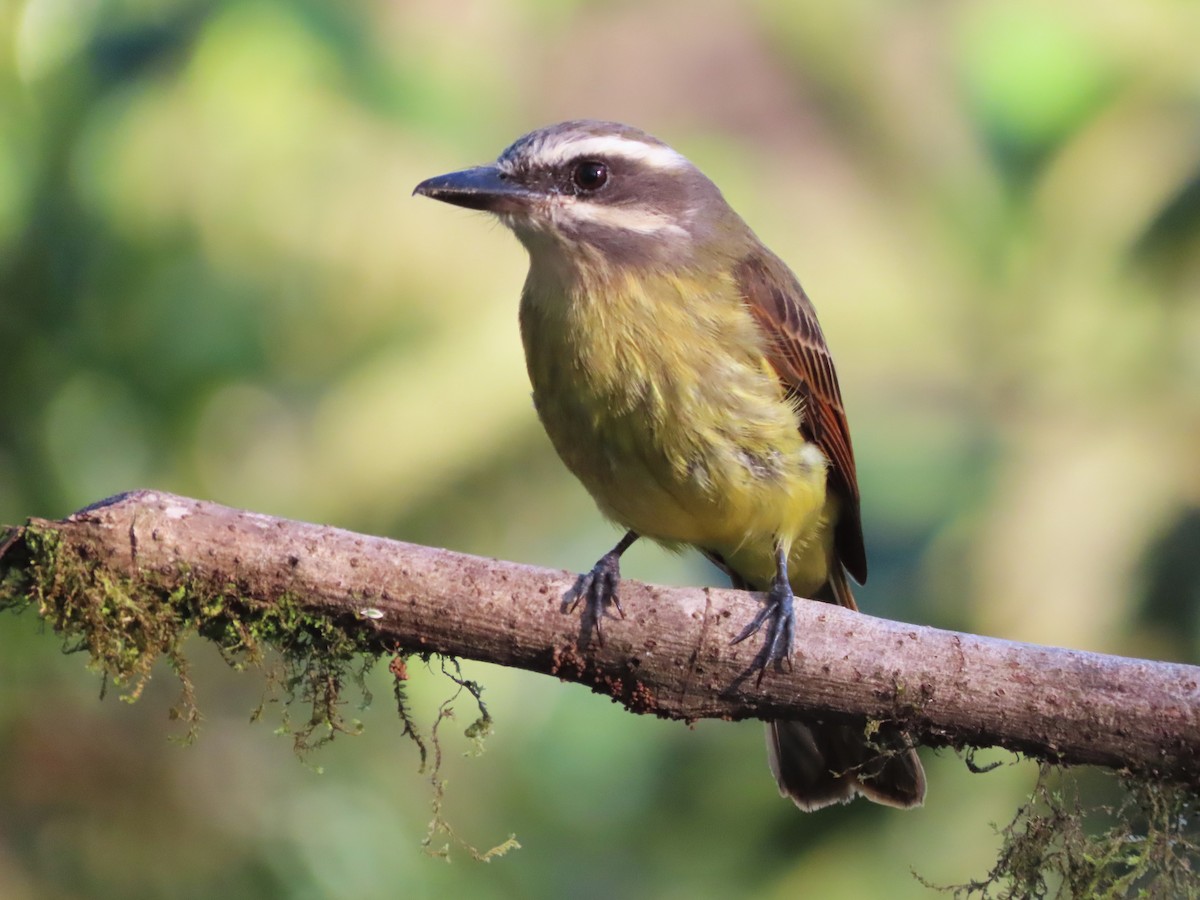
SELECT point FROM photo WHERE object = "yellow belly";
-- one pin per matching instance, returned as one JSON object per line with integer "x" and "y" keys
{"x": 664, "y": 406}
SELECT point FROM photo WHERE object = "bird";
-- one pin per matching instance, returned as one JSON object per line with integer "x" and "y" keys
{"x": 680, "y": 372}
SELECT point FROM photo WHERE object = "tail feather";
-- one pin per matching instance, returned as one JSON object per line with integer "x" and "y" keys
{"x": 818, "y": 765}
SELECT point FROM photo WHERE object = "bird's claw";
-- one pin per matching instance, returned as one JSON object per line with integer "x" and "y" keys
{"x": 781, "y": 633}
{"x": 597, "y": 589}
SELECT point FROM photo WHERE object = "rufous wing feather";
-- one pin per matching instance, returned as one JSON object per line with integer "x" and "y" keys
{"x": 799, "y": 355}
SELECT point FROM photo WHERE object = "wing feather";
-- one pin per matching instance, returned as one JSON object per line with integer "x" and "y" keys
{"x": 801, "y": 358}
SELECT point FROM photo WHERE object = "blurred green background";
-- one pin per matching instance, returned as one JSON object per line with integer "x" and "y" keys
{"x": 214, "y": 281}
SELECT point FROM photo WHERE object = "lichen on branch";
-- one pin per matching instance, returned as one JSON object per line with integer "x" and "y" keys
{"x": 130, "y": 578}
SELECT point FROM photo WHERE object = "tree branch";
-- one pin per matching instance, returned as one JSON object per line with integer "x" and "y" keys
{"x": 670, "y": 656}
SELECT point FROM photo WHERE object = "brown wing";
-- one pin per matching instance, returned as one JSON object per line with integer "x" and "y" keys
{"x": 801, "y": 358}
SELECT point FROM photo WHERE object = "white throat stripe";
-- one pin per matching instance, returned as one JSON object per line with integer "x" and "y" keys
{"x": 624, "y": 218}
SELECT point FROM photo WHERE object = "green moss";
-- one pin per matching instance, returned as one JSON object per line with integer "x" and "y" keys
{"x": 126, "y": 624}
{"x": 440, "y": 828}
{"x": 1146, "y": 844}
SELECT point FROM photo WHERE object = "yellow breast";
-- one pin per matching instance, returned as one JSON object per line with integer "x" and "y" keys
{"x": 656, "y": 393}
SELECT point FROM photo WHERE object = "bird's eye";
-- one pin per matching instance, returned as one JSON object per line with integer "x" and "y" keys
{"x": 590, "y": 175}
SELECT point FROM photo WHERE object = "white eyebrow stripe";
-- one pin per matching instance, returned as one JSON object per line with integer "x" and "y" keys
{"x": 624, "y": 218}
{"x": 657, "y": 156}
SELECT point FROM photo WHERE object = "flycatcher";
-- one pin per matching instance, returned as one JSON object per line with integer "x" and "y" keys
{"x": 679, "y": 370}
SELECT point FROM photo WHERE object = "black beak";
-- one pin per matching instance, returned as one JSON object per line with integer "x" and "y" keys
{"x": 483, "y": 187}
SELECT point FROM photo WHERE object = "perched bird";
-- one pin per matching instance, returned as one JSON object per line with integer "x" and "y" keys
{"x": 679, "y": 370}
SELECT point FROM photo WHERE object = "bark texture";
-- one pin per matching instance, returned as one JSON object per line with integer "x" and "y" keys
{"x": 671, "y": 654}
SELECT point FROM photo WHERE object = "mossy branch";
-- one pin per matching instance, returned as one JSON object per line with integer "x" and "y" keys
{"x": 129, "y": 576}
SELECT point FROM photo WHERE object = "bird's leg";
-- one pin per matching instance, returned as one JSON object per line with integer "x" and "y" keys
{"x": 598, "y": 588}
{"x": 780, "y": 609}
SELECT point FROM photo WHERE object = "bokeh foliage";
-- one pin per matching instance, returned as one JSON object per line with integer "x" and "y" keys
{"x": 213, "y": 280}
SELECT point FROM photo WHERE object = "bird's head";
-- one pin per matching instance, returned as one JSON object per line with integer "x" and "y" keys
{"x": 601, "y": 192}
